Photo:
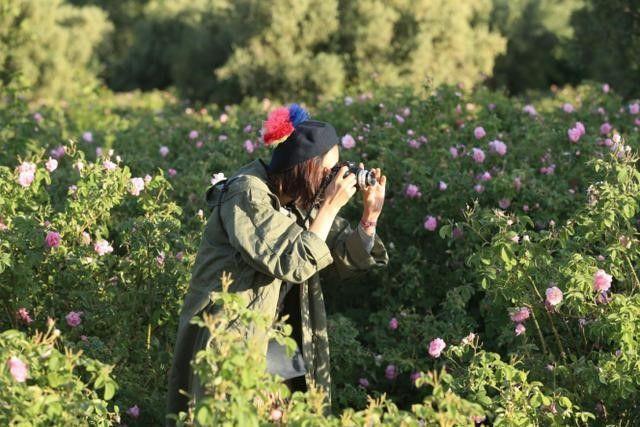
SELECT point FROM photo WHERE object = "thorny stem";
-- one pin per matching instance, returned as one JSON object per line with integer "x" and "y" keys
{"x": 545, "y": 349}
{"x": 556, "y": 335}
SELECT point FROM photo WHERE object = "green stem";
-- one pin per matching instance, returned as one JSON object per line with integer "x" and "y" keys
{"x": 556, "y": 335}
{"x": 636, "y": 283}
{"x": 148, "y": 336}
{"x": 553, "y": 326}
{"x": 543, "y": 343}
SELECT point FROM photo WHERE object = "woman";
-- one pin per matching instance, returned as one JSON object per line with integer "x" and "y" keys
{"x": 256, "y": 232}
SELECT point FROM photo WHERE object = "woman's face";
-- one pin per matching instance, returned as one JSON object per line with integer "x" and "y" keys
{"x": 330, "y": 159}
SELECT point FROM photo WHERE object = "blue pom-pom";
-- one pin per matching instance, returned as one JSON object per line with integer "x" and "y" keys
{"x": 297, "y": 114}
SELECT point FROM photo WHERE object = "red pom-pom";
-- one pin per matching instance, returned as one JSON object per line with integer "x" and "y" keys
{"x": 277, "y": 127}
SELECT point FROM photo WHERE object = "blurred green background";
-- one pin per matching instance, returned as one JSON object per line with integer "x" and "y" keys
{"x": 223, "y": 50}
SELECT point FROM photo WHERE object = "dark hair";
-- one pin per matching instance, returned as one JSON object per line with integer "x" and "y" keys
{"x": 301, "y": 182}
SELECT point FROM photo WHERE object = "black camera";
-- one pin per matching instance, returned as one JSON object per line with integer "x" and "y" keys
{"x": 364, "y": 177}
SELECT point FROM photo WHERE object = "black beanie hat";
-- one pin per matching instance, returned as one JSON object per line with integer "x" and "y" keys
{"x": 296, "y": 138}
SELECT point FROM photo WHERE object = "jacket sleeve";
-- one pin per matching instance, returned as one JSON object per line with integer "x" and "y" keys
{"x": 350, "y": 257}
{"x": 270, "y": 241}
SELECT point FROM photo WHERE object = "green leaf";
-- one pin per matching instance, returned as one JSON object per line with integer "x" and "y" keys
{"x": 109, "y": 390}
{"x": 505, "y": 257}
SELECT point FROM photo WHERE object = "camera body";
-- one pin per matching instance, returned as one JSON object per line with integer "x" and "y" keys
{"x": 364, "y": 177}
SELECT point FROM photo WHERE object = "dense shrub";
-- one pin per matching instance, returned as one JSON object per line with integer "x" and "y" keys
{"x": 607, "y": 43}
{"x": 50, "y": 45}
{"x": 230, "y": 49}
{"x": 468, "y": 172}
{"x": 40, "y": 385}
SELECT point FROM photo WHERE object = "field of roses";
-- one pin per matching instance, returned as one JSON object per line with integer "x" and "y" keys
{"x": 512, "y": 295}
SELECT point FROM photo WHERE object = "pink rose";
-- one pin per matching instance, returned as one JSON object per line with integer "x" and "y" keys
{"x": 548, "y": 170}
{"x": 51, "y": 164}
{"x": 136, "y": 185}
{"x": 276, "y": 414}
{"x": 568, "y": 108}
{"x": 436, "y": 346}
{"x": 102, "y": 247}
{"x": 574, "y": 134}
{"x": 248, "y": 146}
{"x": 412, "y": 191}
{"x": 73, "y": 318}
{"x": 109, "y": 165}
{"x": 634, "y": 108}
{"x": 52, "y": 240}
{"x": 23, "y": 315}
{"x": 580, "y": 127}
{"x": 478, "y": 155}
{"x": 478, "y": 188}
{"x": 17, "y": 369}
{"x": 454, "y": 152}
{"x": 605, "y": 128}
{"x": 530, "y": 109}
{"x": 442, "y": 186}
{"x": 58, "y": 152}
{"x": 606, "y": 88}
{"x": 224, "y": 118}
{"x": 554, "y": 295}
{"x": 391, "y": 372}
{"x": 393, "y": 324}
{"x": 87, "y": 136}
{"x": 37, "y": 117}
{"x": 348, "y": 142}
{"x": 134, "y": 411}
{"x": 486, "y": 176}
{"x": 520, "y": 315}
{"x": 431, "y": 223}
{"x": 413, "y": 143}
{"x": 26, "y": 173}
{"x": 479, "y": 132}
{"x": 601, "y": 281}
{"x": 164, "y": 150}
{"x": 498, "y": 147}
{"x": 468, "y": 340}
{"x": 172, "y": 172}
{"x": 193, "y": 134}
{"x": 520, "y": 329}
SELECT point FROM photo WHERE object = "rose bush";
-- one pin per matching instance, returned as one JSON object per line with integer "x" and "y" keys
{"x": 510, "y": 223}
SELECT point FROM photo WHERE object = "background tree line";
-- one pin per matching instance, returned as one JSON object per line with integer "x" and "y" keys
{"x": 223, "y": 50}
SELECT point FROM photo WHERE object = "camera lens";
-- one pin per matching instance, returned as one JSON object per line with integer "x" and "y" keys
{"x": 365, "y": 178}
{"x": 371, "y": 178}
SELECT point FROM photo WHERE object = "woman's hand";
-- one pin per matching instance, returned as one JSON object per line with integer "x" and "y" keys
{"x": 373, "y": 196}
{"x": 340, "y": 189}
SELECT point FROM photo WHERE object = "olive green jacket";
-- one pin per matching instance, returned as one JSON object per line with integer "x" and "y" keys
{"x": 262, "y": 247}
